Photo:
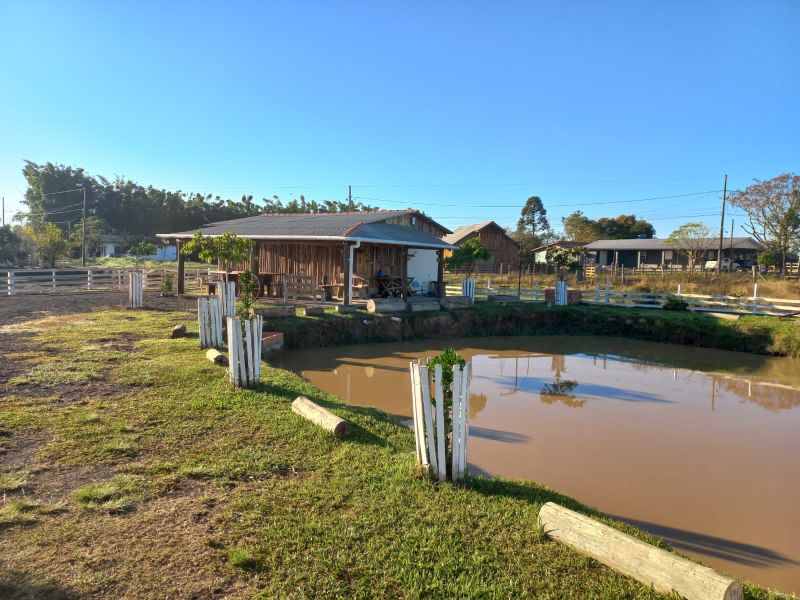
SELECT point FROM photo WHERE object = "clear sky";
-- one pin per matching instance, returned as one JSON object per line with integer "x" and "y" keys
{"x": 462, "y": 109}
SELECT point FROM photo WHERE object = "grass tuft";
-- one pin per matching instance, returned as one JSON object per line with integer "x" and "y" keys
{"x": 13, "y": 481}
{"x": 242, "y": 558}
{"x": 114, "y": 496}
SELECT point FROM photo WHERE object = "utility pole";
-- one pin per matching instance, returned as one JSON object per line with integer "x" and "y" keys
{"x": 350, "y": 195}
{"x": 722, "y": 223}
{"x": 83, "y": 229}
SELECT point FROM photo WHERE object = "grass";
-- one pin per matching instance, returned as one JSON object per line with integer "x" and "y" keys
{"x": 199, "y": 489}
{"x": 13, "y": 481}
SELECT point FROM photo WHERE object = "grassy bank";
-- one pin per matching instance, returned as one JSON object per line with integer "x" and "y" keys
{"x": 761, "y": 335}
{"x": 132, "y": 469}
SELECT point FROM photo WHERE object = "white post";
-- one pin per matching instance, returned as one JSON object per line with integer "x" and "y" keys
{"x": 53, "y": 274}
{"x": 89, "y": 279}
{"x": 440, "y": 435}
{"x": 135, "y": 299}
{"x": 427, "y": 419}
{"x": 468, "y": 288}
{"x": 209, "y": 319}
{"x": 755, "y": 297}
{"x": 227, "y": 298}
{"x": 561, "y": 293}
{"x": 415, "y": 391}
{"x": 10, "y": 282}
{"x": 456, "y": 419}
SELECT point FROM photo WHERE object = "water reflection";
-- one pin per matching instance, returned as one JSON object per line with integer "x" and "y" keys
{"x": 696, "y": 445}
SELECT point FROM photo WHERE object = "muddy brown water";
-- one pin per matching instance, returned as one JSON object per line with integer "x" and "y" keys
{"x": 700, "y": 447}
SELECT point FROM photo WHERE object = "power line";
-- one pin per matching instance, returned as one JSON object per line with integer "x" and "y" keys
{"x": 462, "y": 205}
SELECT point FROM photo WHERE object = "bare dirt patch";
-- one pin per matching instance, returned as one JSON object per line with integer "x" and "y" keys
{"x": 169, "y": 547}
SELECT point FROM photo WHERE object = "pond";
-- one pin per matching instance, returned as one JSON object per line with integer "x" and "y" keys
{"x": 700, "y": 447}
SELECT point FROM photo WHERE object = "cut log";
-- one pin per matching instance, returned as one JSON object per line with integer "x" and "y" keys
{"x": 386, "y": 305}
{"x": 217, "y": 357}
{"x": 429, "y": 305}
{"x": 178, "y": 331}
{"x": 662, "y": 570}
{"x": 455, "y": 302}
{"x": 273, "y": 311}
{"x": 322, "y": 417}
{"x": 310, "y": 311}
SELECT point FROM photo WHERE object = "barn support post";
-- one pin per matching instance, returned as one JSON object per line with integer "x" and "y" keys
{"x": 440, "y": 273}
{"x": 347, "y": 293}
{"x": 181, "y": 268}
{"x": 404, "y": 274}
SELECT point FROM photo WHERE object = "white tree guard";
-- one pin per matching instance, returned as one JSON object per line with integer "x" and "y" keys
{"x": 226, "y": 292}
{"x": 430, "y": 434}
{"x": 244, "y": 351}
{"x": 135, "y": 288}
{"x": 468, "y": 288}
{"x": 209, "y": 317}
{"x": 561, "y": 293}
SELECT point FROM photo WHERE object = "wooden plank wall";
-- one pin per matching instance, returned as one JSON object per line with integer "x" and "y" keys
{"x": 422, "y": 224}
{"x": 320, "y": 260}
{"x": 503, "y": 249}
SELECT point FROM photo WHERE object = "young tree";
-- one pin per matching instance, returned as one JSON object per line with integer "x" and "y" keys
{"x": 49, "y": 243}
{"x": 564, "y": 260}
{"x": 773, "y": 211}
{"x": 140, "y": 250}
{"x": 690, "y": 240}
{"x": 468, "y": 255}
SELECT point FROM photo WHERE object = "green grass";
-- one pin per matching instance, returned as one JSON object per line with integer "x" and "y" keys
{"x": 10, "y": 482}
{"x": 207, "y": 487}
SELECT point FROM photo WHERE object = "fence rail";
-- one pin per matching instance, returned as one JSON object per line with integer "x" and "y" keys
{"x": 754, "y": 305}
{"x": 47, "y": 281}
{"x": 535, "y": 294}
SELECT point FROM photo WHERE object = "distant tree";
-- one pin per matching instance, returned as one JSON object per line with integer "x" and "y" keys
{"x": 690, "y": 240}
{"x": 623, "y": 227}
{"x": 579, "y": 228}
{"x": 10, "y": 244}
{"x": 95, "y": 229}
{"x": 773, "y": 211}
{"x": 468, "y": 255}
{"x": 533, "y": 217}
{"x": 49, "y": 243}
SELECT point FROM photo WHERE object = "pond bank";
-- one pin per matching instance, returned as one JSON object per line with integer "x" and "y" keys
{"x": 759, "y": 335}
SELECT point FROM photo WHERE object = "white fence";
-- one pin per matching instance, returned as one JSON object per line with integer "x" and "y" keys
{"x": 754, "y": 305}
{"x": 534, "y": 294}
{"x": 48, "y": 281}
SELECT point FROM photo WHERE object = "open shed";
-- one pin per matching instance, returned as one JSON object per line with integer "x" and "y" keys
{"x": 395, "y": 253}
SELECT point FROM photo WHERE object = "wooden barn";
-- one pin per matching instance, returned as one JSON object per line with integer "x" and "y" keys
{"x": 374, "y": 253}
{"x": 505, "y": 251}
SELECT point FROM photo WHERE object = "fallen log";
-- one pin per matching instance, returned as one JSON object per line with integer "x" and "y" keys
{"x": 217, "y": 357}
{"x": 321, "y": 416}
{"x": 386, "y": 305}
{"x": 178, "y": 331}
{"x": 662, "y": 570}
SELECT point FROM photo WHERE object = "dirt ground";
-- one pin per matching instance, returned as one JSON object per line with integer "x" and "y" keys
{"x": 17, "y": 309}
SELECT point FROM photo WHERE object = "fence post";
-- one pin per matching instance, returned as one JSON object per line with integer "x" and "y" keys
{"x": 135, "y": 290}
{"x": 755, "y": 297}
{"x": 88, "y": 279}
{"x": 10, "y": 282}
{"x": 608, "y": 290}
{"x": 53, "y": 273}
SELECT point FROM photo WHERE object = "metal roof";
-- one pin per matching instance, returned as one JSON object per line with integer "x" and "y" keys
{"x": 664, "y": 244}
{"x": 462, "y": 232}
{"x": 367, "y": 226}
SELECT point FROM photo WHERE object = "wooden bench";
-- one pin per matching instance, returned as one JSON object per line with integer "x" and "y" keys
{"x": 296, "y": 286}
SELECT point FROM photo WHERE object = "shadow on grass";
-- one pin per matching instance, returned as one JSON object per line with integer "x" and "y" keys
{"x": 15, "y": 585}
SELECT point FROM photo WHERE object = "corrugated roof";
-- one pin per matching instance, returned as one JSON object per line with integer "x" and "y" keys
{"x": 663, "y": 244}
{"x": 463, "y": 232}
{"x": 366, "y": 225}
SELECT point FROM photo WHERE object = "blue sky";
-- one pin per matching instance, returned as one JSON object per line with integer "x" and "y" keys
{"x": 462, "y": 109}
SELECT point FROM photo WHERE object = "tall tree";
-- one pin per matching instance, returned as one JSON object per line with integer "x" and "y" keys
{"x": 533, "y": 218}
{"x": 690, "y": 240}
{"x": 624, "y": 227}
{"x": 9, "y": 245}
{"x": 773, "y": 212}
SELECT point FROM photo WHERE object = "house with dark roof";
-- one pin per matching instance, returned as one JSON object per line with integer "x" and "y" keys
{"x": 504, "y": 249}
{"x": 540, "y": 252}
{"x": 655, "y": 253}
{"x": 402, "y": 247}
